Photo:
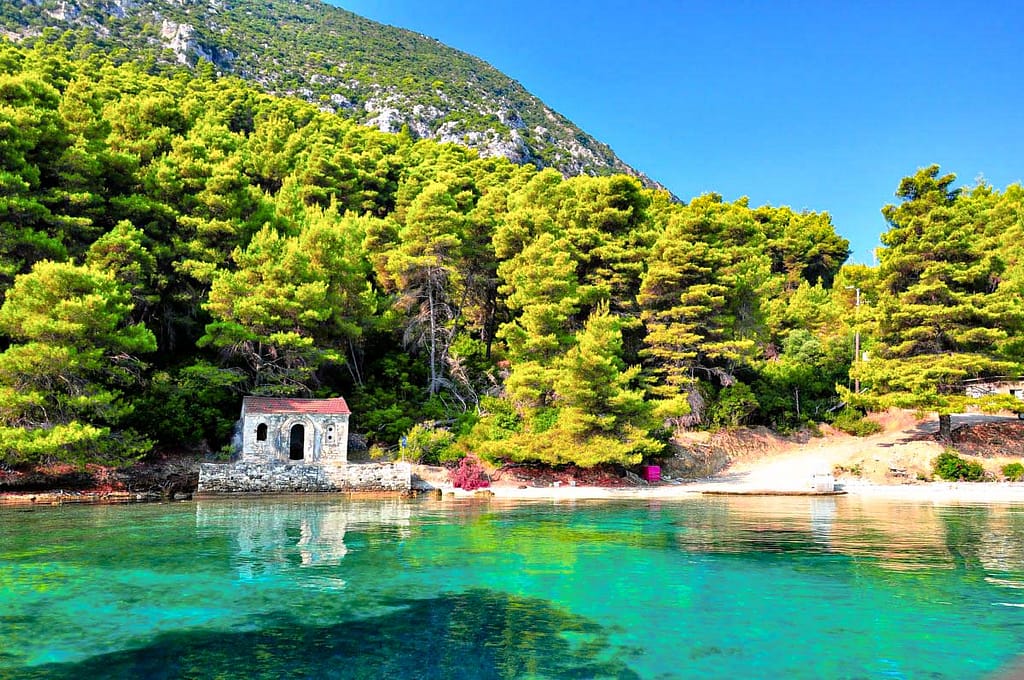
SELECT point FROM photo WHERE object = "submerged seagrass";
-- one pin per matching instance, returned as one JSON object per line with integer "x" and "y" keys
{"x": 723, "y": 587}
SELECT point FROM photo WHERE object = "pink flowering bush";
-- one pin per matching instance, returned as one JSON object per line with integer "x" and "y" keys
{"x": 469, "y": 475}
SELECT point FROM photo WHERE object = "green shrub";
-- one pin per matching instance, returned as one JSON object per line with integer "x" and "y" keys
{"x": 427, "y": 445}
{"x": 733, "y": 406}
{"x": 1014, "y": 472}
{"x": 951, "y": 467}
{"x": 855, "y": 469}
{"x": 504, "y": 419}
{"x": 544, "y": 419}
{"x": 852, "y": 421}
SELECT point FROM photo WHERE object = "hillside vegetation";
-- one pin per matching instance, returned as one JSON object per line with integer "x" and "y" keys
{"x": 172, "y": 242}
{"x": 374, "y": 74}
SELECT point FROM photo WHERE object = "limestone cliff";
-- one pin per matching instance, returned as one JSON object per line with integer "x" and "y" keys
{"x": 382, "y": 76}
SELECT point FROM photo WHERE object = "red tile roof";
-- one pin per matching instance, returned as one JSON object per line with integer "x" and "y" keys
{"x": 336, "y": 406}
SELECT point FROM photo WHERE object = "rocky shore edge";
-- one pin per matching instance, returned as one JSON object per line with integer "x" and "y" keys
{"x": 164, "y": 477}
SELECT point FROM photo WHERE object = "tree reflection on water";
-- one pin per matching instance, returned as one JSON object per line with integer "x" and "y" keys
{"x": 475, "y": 634}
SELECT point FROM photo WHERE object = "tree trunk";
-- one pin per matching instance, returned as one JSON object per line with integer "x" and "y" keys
{"x": 353, "y": 365}
{"x": 945, "y": 427}
{"x": 433, "y": 334}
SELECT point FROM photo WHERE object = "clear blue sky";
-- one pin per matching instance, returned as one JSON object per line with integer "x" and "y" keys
{"x": 813, "y": 104}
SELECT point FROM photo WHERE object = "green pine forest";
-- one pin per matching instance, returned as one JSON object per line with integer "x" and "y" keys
{"x": 171, "y": 240}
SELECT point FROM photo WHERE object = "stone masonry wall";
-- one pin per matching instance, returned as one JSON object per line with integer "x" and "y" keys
{"x": 325, "y": 437}
{"x": 277, "y": 477}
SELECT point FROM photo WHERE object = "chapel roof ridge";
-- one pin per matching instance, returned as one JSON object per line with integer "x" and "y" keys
{"x": 269, "y": 405}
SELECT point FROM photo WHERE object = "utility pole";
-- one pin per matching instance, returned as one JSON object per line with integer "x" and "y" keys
{"x": 856, "y": 344}
{"x": 856, "y": 339}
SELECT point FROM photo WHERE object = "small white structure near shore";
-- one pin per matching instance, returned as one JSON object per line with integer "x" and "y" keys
{"x": 991, "y": 387}
{"x": 297, "y": 431}
{"x": 823, "y": 482}
{"x": 298, "y": 445}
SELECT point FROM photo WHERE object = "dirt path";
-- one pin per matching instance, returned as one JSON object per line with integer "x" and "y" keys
{"x": 902, "y": 453}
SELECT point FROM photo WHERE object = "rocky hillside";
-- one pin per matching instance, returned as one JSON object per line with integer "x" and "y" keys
{"x": 378, "y": 75}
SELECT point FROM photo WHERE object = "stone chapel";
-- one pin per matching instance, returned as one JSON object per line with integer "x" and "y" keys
{"x": 295, "y": 431}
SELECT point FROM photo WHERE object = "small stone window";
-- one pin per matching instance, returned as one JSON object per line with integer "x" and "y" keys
{"x": 330, "y": 433}
{"x": 261, "y": 432}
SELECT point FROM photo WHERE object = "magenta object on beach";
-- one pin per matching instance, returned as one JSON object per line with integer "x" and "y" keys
{"x": 652, "y": 473}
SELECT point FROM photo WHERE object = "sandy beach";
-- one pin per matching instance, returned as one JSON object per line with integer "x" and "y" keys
{"x": 887, "y": 465}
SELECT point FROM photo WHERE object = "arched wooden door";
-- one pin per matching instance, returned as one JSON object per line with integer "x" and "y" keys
{"x": 297, "y": 443}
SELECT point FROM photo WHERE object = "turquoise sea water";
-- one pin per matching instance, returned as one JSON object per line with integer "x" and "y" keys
{"x": 320, "y": 588}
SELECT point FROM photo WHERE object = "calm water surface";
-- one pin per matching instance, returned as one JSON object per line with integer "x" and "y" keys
{"x": 315, "y": 588}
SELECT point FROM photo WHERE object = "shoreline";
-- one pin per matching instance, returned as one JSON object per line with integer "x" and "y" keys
{"x": 937, "y": 493}
{"x": 928, "y": 492}
{"x": 885, "y": 466}
{"x": 42, "y": 498}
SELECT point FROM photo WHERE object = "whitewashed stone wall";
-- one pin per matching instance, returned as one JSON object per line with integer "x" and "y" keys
{"x": 325, "y": 437}
{"x": 247, "y": 476}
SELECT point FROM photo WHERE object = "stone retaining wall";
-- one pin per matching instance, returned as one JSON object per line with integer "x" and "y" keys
{"x": 278, "y": 477}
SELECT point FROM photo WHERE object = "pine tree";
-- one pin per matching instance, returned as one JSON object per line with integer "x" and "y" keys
{"x": 75, "y": 352}
{"x": 422, "y": 268}
{"x": 700, "y": 301}
{"x": 540, "y": 284}
{"x": 944, "y": 312}
{"x": 268, "y": 313}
